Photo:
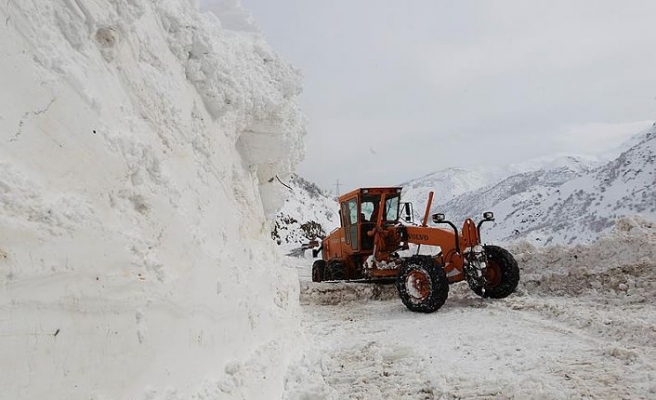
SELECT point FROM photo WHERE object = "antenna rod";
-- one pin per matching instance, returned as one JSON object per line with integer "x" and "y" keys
{"x": 337, "y": 185}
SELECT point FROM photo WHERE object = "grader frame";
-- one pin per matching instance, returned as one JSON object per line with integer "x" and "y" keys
{"x": 368, "y": 244}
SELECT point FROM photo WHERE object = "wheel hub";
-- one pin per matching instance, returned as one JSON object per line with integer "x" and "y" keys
{"x": 418, "y": 285}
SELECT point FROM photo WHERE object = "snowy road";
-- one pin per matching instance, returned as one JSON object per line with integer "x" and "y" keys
{"x": 596, "y": 346}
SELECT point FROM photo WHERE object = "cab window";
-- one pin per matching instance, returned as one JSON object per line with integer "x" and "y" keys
{"x": 352, "y": 229}
{"x": 352, "y": 211}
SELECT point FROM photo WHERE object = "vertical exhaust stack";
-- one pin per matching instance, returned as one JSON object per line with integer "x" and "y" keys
{"x": 424, "y": 222}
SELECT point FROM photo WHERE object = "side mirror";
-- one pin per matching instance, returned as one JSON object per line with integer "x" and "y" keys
{"x": 439, "y": 218}
{"x": 408, "y": 215}
{"x": 488, "y": 216}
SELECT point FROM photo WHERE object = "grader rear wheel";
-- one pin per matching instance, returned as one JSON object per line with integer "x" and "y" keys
{"x": 318, "y": 270}
{"x": 501, "y": 275}
{"x": 422, "y": 285}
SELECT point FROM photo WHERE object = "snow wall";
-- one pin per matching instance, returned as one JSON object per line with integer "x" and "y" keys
{"x": 139, "y": 142}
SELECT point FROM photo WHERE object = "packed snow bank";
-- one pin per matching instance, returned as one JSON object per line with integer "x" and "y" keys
{"x": 622, "y": 262}
{"x": 139, "y": 145}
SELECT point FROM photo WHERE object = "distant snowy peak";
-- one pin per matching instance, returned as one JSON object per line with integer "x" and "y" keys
{"x": 450, "y": 183}
{"x": 541, "y": 181}
{"x": 456, "y": 178}
{"x": 580, "y": 163}
{"x": 629, "y": 143}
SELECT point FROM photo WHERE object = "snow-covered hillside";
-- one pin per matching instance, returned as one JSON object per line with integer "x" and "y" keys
{"x": 571, "y": 203}
{"x": 308, "y": 213}
{"x": 139, "y": 142}
{"x": 541, "y": 180}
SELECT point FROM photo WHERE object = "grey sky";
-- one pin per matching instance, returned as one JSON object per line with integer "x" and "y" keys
{"x": 397, "y": 89}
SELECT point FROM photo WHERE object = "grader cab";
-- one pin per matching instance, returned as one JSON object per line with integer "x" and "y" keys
{"x": 373, "y": 244}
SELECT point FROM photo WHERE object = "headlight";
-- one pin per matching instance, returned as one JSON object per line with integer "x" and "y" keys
{"x": 439, "y": 217}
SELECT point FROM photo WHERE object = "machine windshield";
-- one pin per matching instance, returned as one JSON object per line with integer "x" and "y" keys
{"x": 369, "y": 208}
{"x": 370, "y": 204}
{"x": 392, "y": 208}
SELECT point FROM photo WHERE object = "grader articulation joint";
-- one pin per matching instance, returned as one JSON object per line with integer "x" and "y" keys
{"x": 367, "y": 245}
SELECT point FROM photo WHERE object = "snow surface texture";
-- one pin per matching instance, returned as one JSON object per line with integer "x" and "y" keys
{"x": 581, "y": 326}
{"x": 139, "y": 144}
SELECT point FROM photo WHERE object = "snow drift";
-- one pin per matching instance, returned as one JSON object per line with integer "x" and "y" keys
{"x": 620, "y": 262}
{"x": 139, "y": 144}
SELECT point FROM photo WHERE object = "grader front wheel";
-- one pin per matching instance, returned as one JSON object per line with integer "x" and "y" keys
{"x": 334, "y": 271}
{"x": 501, "y": 275}
{"x": 422, "y": 285}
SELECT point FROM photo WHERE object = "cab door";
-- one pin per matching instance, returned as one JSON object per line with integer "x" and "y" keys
{"x": 350, "y": 222}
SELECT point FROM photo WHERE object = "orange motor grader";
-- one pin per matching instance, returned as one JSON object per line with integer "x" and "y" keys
{"x": 372, "y": 240}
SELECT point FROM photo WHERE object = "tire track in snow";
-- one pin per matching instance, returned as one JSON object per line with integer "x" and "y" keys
{"x": 519, "y": 347}
{"x": 632, "y": 325}
{"x": 620, "y": 361}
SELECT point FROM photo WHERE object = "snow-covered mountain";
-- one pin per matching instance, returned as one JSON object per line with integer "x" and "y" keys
{"x": 138, "y": 142}
{"x": 476, "y": 202}
{"x": 308, "y": 213}
{"x": 570, "y": 203}
{"x": 451, "y": 183}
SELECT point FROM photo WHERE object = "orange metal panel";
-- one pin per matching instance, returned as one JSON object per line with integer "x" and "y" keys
{"x": 431, "y": 236}
{"x": 372, "y": 190}
{"x": 469, "y": 235}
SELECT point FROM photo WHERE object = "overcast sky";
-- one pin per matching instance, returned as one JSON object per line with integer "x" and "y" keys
{"x": 397, "y": 89}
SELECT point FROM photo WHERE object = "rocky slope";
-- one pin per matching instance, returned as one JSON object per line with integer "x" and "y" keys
{"x": 308, "y": 213}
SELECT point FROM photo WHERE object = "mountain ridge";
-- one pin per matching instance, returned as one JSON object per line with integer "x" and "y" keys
{"x": 559, "y": 199}
{"x": 565, "y": 205}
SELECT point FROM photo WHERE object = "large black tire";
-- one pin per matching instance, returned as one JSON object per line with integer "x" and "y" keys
{"x": 422, "y": 284}
{"x": 502, "y": 273}
{"x": 335, "y": 271}
{"x": 318, "y": 270}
